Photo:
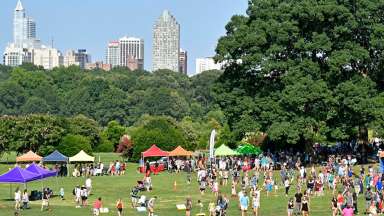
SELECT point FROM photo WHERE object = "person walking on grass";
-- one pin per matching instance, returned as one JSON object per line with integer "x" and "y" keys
{"x": 287, "y": 184}
{"x": 348, "y": 211}
{"x": 25, "y": 199}
{"x": 334, "y": 206}
{"x": 290, "y": 207}
{"x": 305, "y": 206}
{"x": 17, "y": 199}
{"x": 97, "y": 205}
{"x": 45, "y": 200}
{"x": 298, "y": 198}
{"x": 256, "y": 202}
{"x": 188, "y": 206}
{"x": 244, "y": 202}
{"x": 119, "y": 207}
{"x": 151, "y": 206}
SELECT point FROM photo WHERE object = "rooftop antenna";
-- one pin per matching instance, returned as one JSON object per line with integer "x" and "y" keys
{"x": 52, "y": 42}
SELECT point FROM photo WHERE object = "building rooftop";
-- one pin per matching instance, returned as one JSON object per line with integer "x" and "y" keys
{"x": 19, "y": 6}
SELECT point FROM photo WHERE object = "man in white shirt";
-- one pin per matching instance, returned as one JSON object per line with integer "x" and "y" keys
{"x": 88, "y": 185}
{"x": 77, "y": 196}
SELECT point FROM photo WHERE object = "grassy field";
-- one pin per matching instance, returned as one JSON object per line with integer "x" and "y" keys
{"x": 110, "y": 188}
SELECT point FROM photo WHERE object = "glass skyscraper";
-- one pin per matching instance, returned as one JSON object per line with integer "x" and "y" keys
{"x": 166, "y": 43}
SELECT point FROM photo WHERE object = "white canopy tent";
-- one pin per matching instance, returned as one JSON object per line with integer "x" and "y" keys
{"x": 81, "y": 157}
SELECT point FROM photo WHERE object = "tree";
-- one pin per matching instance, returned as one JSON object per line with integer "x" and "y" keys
{"x": 290, "y": 66}
{"x": 161, "y": 131}
{"x": 113, "y": 133}
{"x": 71, "y": 144}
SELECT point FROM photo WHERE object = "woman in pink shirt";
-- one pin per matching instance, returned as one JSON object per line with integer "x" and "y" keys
{"x": 348, "y": 211}
{"x": 97, "y": 206}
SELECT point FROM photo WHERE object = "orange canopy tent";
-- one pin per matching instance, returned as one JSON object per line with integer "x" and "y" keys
{"x": 28, "y": 157}
{"x": 179, "y": 151}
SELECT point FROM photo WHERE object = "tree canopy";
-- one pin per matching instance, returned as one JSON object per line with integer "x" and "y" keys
{"x": 304, "y": 71}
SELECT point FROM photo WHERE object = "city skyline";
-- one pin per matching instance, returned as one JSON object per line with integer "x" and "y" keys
{"x": 201, "y": 24}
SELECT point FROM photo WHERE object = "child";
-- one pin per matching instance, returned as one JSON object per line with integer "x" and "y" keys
{"x": 215, "y": 188}
{"x": 119, "y": 207}
{"x": 62, "y": 193}
{"x": 290, "y": 207}
{"x": 233, "y": 190}
{"x": 203, "y": 185}
{"x": 212, "y": 209}
{"x": 256, "y": 202}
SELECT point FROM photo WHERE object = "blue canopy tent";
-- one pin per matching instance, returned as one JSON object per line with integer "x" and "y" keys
{"x": 55, "y": 156}
{"x": 18, "y": 175}
{"x": 41, "y": 171}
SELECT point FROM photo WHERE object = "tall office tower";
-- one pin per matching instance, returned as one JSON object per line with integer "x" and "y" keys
{"x": 79, "y": 58}
{"x": 113, "y": 54}
{"x": 166, "y": 43}
{"x": 29, "y": 28}
{"x": 18, "y": 25}
{"x": 47, "y": 57}
{"x": 131, "y": 53}
{"x": 183, "y": 62}
{"x": 24, "y": 39}
{"x": 205, "y": 64}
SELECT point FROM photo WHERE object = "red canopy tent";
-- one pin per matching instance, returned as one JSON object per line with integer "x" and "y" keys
{"x": 154, "y": 151}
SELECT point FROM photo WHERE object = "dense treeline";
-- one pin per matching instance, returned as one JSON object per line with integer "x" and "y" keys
{"x": 119, "y": 95}
{"x": 70, "y": 109}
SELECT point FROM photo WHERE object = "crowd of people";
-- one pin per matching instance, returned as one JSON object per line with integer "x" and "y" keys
{"x": 115, "y": 168}
{"x": 250, "y": 179}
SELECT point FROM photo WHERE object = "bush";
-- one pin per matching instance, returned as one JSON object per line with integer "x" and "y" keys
{"x": 161, "y": 131}
{"x": 105, "y": 145}
{"x": 72, "y": 144}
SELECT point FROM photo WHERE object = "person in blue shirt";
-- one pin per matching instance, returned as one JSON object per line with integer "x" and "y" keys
{"x": 379, "y": 186}
{"x": 244, "y": 202}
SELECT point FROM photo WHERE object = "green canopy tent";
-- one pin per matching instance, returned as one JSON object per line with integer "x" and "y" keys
{"x": 224, "y": 150}
{"x": 249, "y": 149}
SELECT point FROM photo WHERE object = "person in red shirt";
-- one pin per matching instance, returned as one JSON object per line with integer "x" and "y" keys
{"x": 97, "y": 206}
{"x": 340, "y": 202}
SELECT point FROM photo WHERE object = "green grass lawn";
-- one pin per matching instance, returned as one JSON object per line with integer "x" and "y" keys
{"x": 110, "y": 188}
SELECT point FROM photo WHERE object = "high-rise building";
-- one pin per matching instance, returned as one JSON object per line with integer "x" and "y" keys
{"x": 47, "y": 57}
{"x": 183, "y": 62}
{"x": 18, "y": 25}
{"x": 24, "y": 39}
{"x": 205, "y": 64}
{"x": 79, "y": 58}
{"x": 131, "y": 53}
{"x": 29, "y": 28}
{"x": 166, "y": 43}
{"x": 113, "y": 54}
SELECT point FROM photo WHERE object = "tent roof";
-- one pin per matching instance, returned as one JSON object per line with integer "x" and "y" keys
{"x": 18, "y": 175}
{"x": 29, "y": 156}
{"x": 55, "y": 156}
{"x": 249, "y": 149}
{"x": 179, "y": 151}
{"x": 44, "y": 173}
{"x": 82, "y": 157}
{"x": 224, "y": 150}
{"x": 155, "y": 151}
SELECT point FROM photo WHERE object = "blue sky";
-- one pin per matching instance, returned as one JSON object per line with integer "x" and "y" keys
{"x": 90, "y": 24}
